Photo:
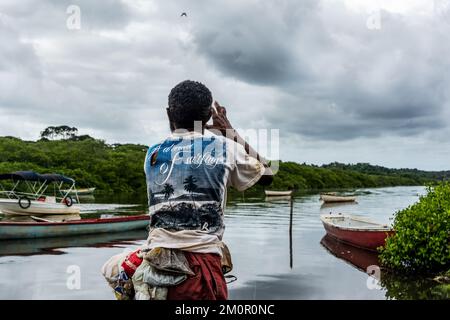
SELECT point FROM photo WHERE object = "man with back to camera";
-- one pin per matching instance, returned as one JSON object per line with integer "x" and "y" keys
{"x": 187, "y": 178}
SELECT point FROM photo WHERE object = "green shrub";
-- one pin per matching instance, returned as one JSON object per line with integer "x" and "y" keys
{"x": 421, "y": 243}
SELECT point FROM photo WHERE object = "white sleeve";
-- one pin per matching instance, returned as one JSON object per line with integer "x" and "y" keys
{"x": 246, "y": 170}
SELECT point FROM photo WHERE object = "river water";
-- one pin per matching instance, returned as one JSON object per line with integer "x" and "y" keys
{"x": 278, "y": 249}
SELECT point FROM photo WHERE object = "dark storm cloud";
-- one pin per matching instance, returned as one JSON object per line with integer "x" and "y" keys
{"x": 254, "y": 41}
{"x": 343, "y": 79}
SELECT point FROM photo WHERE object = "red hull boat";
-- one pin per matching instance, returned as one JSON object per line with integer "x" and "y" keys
{"x": 357, "y": 231}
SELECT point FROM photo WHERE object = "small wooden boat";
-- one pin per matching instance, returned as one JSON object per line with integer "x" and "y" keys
{"x": 270, "y": 193}
{"x": 357, "y": 231}
{"x": 277, "y": 198}
{"x": 47, "y": 229}
{"x": 329, "y": 198}
{"x": 81, "y": 191}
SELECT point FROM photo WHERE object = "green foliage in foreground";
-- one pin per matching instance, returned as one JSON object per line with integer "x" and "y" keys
{"x": 119, "y": 168}
{"x": 421, "y": 243}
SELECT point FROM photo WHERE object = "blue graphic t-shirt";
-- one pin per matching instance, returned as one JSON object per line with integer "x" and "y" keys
{"x": 187, "y": 178}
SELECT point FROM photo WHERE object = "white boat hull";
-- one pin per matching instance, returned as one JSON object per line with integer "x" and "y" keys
{"x": 270, "y": 193}
{"x": 37, "y": 208}
{"x": 80, "y": 192}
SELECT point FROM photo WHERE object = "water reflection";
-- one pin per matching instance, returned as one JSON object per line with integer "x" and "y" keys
{"x": 290, "y": 200}
{"x": 261, "y": 235}
{"x": 54, "y": 246}
{"x": 327, "y": 205}
{"x": 359, "y": 258}
{"x": 278, "y": 198}
{"x": 398, "y": 287}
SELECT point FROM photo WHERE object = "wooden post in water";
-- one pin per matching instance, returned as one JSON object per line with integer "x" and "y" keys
{"x": 290, "y": 233}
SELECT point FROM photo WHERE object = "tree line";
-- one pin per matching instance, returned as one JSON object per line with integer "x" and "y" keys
{"x": 119, "y": 167}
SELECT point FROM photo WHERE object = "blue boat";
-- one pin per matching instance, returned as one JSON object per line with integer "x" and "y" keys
{"x": 47, "y": 229}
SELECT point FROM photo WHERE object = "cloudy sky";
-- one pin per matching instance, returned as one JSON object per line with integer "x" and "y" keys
{"x": 349, "y": 81}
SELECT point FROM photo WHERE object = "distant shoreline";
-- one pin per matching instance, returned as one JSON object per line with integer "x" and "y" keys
{"x": 119, "y": 167}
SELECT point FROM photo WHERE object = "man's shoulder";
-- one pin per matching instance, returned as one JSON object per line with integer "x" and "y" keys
{"x": 154, "y": 147}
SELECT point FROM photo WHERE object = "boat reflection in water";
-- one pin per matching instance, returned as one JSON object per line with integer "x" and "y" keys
{"x": 396, "y": 286}
{"x": 27, "y": 247}
{"x": 278, "y": 198}
{"x": 326, "y": 205}
{"x": 357, "y": 257}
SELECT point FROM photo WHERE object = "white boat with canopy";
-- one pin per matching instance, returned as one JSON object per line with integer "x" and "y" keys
{"x": 31, "y": 193}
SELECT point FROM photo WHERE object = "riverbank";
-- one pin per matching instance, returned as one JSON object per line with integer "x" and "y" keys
{"x": 119, "y": 167}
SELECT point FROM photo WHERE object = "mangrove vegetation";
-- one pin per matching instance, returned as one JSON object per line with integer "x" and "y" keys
{"x": 119, "y": 167}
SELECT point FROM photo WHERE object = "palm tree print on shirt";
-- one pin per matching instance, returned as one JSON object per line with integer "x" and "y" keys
{"x": 168, "y": 191}
{"x": 190, "y": 185}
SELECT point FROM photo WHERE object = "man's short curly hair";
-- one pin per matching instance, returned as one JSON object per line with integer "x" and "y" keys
{"x": 189, "y": 101}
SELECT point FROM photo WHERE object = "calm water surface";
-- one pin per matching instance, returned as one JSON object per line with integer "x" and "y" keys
{"x": 273, "y": 258}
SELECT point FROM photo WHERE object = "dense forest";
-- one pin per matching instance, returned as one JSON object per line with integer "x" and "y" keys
{"x": 89, "y": 161}
{"x": 119, "y": 167}
{"x": 302, "y": 176}
{"x": 378, "y": 170}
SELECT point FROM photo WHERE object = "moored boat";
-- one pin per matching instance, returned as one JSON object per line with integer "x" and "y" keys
{"x": 81, "y": 191}
{"x": 330, "y": 198}
{"x": 271, "y": 193}
{"x": 35, "y": 207}
{"x": 47, "y": 229}
{"x": 32, "y": 193}
{"x": 355, "y": 230}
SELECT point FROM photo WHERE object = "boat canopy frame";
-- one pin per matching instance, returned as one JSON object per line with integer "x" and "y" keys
{"x": 37, "y": 184}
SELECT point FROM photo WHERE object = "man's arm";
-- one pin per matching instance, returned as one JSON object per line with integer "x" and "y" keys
{"x": 223, "y": 125}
